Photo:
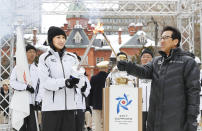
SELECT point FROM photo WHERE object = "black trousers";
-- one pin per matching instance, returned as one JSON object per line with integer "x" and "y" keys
{"x": 58, "y": 120}
{"x": 29, "y": 121}
{"x": 79, "y": 119}
{"x": 144, "y": 121}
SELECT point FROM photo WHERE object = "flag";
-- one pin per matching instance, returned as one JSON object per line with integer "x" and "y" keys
{"x": 20, "y": 100}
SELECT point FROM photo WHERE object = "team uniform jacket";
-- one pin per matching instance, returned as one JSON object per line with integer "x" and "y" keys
{"x": 17, "y": 85}
{"x": 53, "y": 71}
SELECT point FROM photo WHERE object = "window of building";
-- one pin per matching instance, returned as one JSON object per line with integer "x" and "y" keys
{"x": 97, "y": 60}
{"x": 77, "y": 38}
{"x": 101, "y": 59}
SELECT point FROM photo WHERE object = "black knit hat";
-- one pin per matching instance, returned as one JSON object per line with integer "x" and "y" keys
{"x": 147, "y": 50}
{"x": 54, "y": 31}
{"x": 29, "y": 47}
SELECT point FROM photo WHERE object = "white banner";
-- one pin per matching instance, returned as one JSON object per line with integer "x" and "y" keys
{"x": 21, "y": 59}
{"x": 20, "y": 100}
{"x": 123, "y": 110}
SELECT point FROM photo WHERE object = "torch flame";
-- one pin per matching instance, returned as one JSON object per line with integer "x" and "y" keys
{"x": 99, "y": 28}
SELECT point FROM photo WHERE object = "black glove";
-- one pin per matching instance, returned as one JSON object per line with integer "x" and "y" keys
{"x": 122, "y": 65}
{"x": 83, "y": 89}
{"x": 89, "y": 109}
{"x": 70, "y": 83}
{"x": 37, "y": 106}
{"x": 30, "y": 89}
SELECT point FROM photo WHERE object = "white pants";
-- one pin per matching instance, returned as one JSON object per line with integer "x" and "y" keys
{"x": 97, "y": 120}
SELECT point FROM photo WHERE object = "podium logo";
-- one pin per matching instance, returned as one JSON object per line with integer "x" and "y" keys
{"x": 123, "y": 102}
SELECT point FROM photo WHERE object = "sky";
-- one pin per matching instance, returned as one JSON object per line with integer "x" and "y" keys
{"x": 52, "y": 20}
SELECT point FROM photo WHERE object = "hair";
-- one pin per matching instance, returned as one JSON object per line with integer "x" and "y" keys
{"x": 175, "y": 33}
{"x": 122, "y": 53}
{"x": 148, "y": 51}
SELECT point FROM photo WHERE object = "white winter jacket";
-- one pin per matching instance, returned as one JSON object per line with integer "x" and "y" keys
{"x": 53, "y": 71}
{"x": 145, "y": 84}
{"x": 80, "y": 97}
{"x": 17, "y": 85}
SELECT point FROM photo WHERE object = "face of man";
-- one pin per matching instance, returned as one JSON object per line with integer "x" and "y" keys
{"x": 146, "y": 57}
{"x": 31, "y": 55}
{"x": 122, "y": 57}
{"x": 5, "y": 87}
{"x": 167, "y": 42}
{"x": 59, "y": 42}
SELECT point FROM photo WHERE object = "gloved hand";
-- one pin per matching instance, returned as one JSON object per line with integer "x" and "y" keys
{"x": 191, "y": 124}
{"x": 89, "y": 109}
{"x": 37, "y": 106}
{"x": 71, "y": 82}
{"x": 122, "y": 65}
{"x": 30, "y": 89}
{"x": 83, "y": 89}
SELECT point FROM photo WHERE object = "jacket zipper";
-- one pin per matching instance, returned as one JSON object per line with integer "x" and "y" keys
{"x": 65, "y": 87}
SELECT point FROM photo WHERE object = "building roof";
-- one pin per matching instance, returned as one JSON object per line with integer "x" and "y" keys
{"x": 138, "y": 40}
{"x": 77, "y": 38}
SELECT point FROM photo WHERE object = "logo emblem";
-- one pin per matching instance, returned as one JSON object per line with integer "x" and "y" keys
{"x": 123, "y": 102}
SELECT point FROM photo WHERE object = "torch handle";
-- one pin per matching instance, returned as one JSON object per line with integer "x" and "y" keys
{"x": 109, "y": 44}
{"x": 86, "y": 51}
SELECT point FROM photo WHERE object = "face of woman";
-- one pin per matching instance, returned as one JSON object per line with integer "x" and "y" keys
{"x": 59, "y": 42}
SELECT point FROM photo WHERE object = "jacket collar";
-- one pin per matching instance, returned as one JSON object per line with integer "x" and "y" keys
{"x": 55, "y": 53}
{"x": 173, "y": 52}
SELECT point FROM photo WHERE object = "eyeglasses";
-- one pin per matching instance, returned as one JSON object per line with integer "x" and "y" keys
{"x": 165, "y": 37}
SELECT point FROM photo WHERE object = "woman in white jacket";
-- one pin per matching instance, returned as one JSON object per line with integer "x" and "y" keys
{"x": 56, "y": 76}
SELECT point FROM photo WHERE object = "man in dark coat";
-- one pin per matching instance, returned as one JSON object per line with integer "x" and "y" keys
{"x": 95, "y": 97}
{"x": 174, "y": 99}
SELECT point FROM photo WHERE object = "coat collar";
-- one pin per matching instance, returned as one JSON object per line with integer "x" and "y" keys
{"x": 173, "y": 52}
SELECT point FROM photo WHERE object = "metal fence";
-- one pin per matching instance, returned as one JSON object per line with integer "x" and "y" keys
{"x": 6, "y": 66}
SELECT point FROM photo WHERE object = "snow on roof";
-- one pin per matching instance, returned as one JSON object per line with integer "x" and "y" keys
{"x": 131, "y": 24}
{"x": 40, "y": 40}
{"x": 113, "y": 41}
{"x": 139, "y": 24}
{"x": 120, "y": 29}
{"x": 149, "y": 43}
{"x": 140, "y": 32}
{"x": 103, "y": 64}
{"x": 90, "y": 22}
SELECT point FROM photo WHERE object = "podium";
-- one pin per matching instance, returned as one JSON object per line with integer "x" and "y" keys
{"x": 122, "y": 108}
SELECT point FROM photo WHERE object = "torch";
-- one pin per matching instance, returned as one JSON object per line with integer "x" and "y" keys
{"x": 109, "y": 43}
{"x": 98, "y": 29}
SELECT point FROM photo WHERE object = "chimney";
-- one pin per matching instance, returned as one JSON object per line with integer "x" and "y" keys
{"x": 65, "y": 26}
{"x": 89, "y": 25}
{"x": 34, "y": 32}
{"x": 119, "y": 33}
{"x": 131, "y": 29}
